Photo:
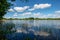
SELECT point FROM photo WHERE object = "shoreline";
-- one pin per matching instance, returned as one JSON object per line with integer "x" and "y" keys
{"x": 30, "y": 19}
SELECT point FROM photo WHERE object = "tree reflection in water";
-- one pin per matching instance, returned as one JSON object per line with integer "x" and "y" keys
{"x": 26, "y": 31}
{"x": 6, "y": 28}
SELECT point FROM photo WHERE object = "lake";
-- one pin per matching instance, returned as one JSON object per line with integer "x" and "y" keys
{"x": 35, "y": 29}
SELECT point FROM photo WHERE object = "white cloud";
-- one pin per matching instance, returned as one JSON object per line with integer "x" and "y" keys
{"x": 15, "y": 14}
{"x": 21, "y": 9}
{"x": 40, "y": 6}
{"x": 11, "y": 10}
{"x": 30, "y": 14}
{"x": 56, "y": 14}
{"x": 31, "y": 9}
{"x": 37, "y": 6}
{"x": 27, "y": 13}
{"x": 57, "y": 11}
{"x": 38, "y": 15}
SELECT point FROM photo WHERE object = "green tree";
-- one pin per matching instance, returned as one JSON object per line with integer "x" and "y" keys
{"x": 4, "y": 6}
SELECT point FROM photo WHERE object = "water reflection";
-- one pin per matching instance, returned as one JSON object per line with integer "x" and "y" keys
{"x": 6, "y": 29}
{"x": 36, "y": 29}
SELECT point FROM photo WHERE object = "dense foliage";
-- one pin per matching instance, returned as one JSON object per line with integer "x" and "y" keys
{"x": 4, "y": 6}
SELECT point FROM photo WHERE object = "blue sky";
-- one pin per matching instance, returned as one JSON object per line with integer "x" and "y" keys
{"x": 34, "y": 8}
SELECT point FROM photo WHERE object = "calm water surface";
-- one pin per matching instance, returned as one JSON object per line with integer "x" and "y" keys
{"x": 35, "y": 29}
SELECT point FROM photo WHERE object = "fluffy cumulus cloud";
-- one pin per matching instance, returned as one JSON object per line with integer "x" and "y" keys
{"x": 36, "y": 6}
{"x": 30, "y": 14}
{"x": 40, "y": 6}
{"x": 37, "y": 14}
{"x": 51, "y": 15}
{"x": 21, "y": 9}
{"x": 11, "y": 10}
{"x": 27, "y": 13}
{"x": 41, "y": 15}
{"x": 57, "y": 11}
{"x": 15, "y": 14}
{"x": 18, "y": 9}
{"x": 56, "y": 14}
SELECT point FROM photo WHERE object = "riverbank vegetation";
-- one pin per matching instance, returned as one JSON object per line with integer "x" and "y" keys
{"x": 31, "y": 18}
